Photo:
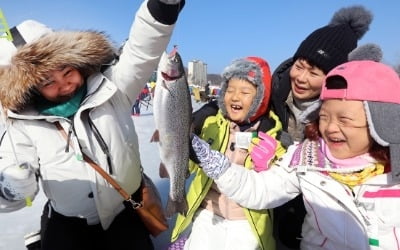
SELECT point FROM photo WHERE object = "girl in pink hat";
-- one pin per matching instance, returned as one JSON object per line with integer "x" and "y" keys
{"x": 348, "y": 170}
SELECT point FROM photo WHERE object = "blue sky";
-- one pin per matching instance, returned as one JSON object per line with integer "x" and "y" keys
{"x": 218, "y": 31}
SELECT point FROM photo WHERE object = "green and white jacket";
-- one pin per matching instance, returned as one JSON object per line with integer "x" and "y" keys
{"x": 216, "y": 130}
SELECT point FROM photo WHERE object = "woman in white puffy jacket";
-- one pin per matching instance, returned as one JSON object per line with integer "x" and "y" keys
{"x": 72, "y": 80}
{"x": 348, "y": 171}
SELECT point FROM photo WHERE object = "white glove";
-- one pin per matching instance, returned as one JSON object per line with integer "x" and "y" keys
{"x": 172, "y": 2}
{"x": 18, "y": 183}
{"x": 213, "y": 162}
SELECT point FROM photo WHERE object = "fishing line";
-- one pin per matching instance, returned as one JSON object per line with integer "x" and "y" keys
{"x": 7, "y": 124}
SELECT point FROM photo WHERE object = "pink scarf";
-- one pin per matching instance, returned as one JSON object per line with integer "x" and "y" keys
{"x": 360, "y": 160}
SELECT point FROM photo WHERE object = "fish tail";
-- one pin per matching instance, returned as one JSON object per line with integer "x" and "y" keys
{"x": 174, "y": 207}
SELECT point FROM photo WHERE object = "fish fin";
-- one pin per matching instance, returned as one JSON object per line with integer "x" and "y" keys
{"x": 174, "y": 207}
{"x": 187, "y": 174}
{"x": 163, "y": 85}
{"x": 155, "y": 137}
{"x": 162, "y": 171}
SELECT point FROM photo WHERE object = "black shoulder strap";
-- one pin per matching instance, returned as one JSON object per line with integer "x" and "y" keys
{"x": 199, "y": 116}
{"x": 105, "y": 66}
{"x": 266, "y": 123}
{"x": 18, "y": 40}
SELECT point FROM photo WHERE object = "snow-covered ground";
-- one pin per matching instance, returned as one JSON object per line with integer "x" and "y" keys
{"x": 13, "y": 226}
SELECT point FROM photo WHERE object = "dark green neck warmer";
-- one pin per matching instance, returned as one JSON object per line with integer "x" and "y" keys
{"x": 66, "y": 109}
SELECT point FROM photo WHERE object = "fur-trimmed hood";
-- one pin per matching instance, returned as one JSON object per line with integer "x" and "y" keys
{"x": 256, "y": 71}
{"x": 86, "y": 51}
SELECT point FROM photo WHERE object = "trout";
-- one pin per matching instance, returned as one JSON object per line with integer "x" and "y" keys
{"x": 172, "y": 110}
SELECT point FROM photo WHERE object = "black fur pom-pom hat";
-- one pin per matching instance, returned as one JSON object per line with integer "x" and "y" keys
{"x": 330, "y": 45}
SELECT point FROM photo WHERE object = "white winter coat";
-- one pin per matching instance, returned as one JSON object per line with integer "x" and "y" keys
{"x": 337, "y": 217}
{"x": 68, "y": 181}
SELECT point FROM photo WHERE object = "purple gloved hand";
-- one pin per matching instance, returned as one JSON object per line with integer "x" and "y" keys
{"x": 262, "y": 151}
{"x": 213, "y": 163}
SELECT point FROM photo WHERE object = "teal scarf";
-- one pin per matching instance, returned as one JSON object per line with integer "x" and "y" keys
{"x": 66, "y": 109}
